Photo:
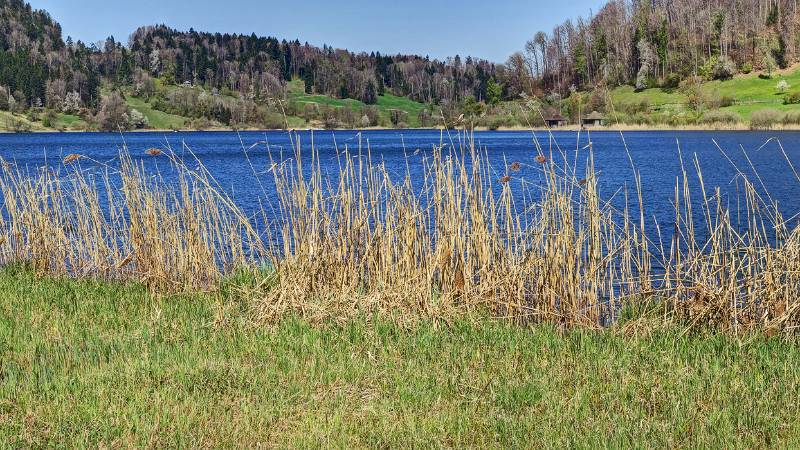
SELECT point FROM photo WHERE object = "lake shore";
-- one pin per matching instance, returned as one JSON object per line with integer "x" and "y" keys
{"x": 568, "y": 128}
{"x": 365, "y": 319}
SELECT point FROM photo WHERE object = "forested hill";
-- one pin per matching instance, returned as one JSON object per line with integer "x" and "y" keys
{"x": 642, "y": 62}
{"x": 260, "y": 66}
{"x": 658, "y": 43}
{"x": 235, "y": 80}
{"x": 33, "y": 53}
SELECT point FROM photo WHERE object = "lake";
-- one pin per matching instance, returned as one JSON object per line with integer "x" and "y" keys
{"x": 655, "y": 154}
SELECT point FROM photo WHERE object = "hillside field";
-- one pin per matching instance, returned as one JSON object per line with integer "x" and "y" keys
{"x": 749, "y": 92}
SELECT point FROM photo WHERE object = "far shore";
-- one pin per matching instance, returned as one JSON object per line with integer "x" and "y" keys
{"x": 569, "y": 128}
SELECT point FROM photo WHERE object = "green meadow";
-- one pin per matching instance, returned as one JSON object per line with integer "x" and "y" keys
{"x": 750, "y": 93}
{"x": 90, "y": 364}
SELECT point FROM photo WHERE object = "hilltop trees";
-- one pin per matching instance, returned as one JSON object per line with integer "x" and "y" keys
{"x": 37, "y": 67}
{"x": 648, "y": 43}
{"x": 259, "y": 67}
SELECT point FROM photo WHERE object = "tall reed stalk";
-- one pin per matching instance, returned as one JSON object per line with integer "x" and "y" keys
{"x": 123, "y": 223}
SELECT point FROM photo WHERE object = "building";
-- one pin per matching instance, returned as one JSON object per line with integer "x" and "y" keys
{"x": 555, "y": 121}
{"x": 595, "y": 119}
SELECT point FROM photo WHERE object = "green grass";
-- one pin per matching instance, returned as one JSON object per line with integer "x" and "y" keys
{"x": 750, "y": 92}
{"x": 87, "y": 364}
{"x": 7, "y": 120}
{"x": 386, "y": 103}
{"x": 158, "y": 119}
{"x": 68, "y": 122}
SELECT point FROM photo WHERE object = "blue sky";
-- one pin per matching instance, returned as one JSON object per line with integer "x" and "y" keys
{"x": 490, "y": 29}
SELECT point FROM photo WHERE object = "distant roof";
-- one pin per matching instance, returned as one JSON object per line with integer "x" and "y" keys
{"x": 595, "y": 116}
{"x": 555, "y": 117}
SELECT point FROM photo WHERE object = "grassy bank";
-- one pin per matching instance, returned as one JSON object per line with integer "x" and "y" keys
{"x": 88, "y": 364}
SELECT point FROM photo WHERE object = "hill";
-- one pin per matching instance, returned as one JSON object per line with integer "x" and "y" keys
{"x": 665, "y": 63}
{"x": 165, "y": 78}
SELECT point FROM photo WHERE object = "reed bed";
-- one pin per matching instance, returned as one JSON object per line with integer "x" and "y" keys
{"x": 119, "y": 222}
{"x": 467, "y": 238}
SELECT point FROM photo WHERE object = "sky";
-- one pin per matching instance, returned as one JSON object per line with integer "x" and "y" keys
{"x": 489, "y": 29}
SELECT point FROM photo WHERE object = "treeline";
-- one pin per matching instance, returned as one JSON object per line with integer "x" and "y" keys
{"x": 40, "y": 70}
{"x": 37, "y": 67}
{"x": 257, "y": 67}
{"x": 657, "y": 43}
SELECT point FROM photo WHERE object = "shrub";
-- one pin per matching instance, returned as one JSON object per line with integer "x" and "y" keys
{"x": 706, "y": 71}
{"x": 793, "y": 98}
{"x": 138, "y": 120}
{"x": 721, "y": 117}
{"x": 114, "y": 114}
{"x": 672, "y": 81}
{"x": 782, "y": 86}
{"x": 640, "y": 119}
{"x": 495, "y": 123}
{"x": 273, "y": 121}
{"x": 712, "y": 100}
{"x": 724, "y": 69}
{"x": 635, "y": 107}
{"x": 373, "y": 116}
{"x": 765, "y": 119}
{"x": 200, "y": 124}
{"x": 747, "y": 67}
{"x": 791, "y": 118}
{"x": 726, "y": 100}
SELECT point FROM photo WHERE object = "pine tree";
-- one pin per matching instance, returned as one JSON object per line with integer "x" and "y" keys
{"x": 494, "y": 92}
{"x": 370, "y": 94}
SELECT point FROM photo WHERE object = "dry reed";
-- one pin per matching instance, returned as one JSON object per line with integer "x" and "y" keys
{"x": 366, "y": 242}
{"x": 123, "y": 224}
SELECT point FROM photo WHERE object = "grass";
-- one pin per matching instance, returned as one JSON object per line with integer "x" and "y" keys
{"x": 391, "y": 312}
{"x": 14, "y": 122}
{"x": 751, "y": 93}
{"x": 91, "y": 364}
{"x": 157, "y": 119}
{"x": 386, "y": 103}
{"x": 69, "y": 122}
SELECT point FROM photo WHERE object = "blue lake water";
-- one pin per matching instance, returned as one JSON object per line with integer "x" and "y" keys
{"x": 655, "y": 155}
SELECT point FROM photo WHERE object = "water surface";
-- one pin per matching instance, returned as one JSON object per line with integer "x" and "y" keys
{"x": 657, "y": 155}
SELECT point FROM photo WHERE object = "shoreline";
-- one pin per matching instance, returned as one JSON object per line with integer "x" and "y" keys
{"x": 614, "y": 128}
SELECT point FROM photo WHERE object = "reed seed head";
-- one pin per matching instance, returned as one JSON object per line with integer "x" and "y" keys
{"x": 125, "y": 262}
{"x": 72, "y": 157}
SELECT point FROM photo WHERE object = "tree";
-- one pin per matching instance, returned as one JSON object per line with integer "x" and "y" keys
{"x": 647, "y": 60}
{"x": 724, "y": 69}
{"x": 155, "y": 62}
{"x": 71, "y": 103}
{"x": 138, "y": 120}
{"x": 768, "y": 63}
{"x": 472, "y": 108}
{"x": 370, "y": 94}
{"x": 114, "y": 114}
{"x": 494, "y": 92}
{"x": 780, "y": 53}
